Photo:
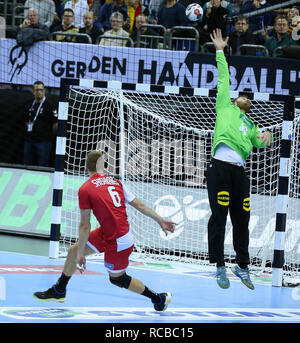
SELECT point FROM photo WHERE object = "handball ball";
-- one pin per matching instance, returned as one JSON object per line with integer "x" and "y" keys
{"x": 194, "y": 12}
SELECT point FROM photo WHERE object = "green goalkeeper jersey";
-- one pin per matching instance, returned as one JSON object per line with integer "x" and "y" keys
{"x": 232, "y": 127}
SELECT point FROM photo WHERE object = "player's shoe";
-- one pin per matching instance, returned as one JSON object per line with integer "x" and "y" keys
{"x": 244, "y": 275}
{"x": 51, "y": 294}
{"x": 222, "y": 279}
{"x": 163, "y": 304}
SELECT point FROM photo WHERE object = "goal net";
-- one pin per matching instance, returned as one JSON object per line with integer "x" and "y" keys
{"x": 159, "y": 144}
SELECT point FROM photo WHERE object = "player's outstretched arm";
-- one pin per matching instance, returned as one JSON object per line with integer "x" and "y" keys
{"x": 218, "y": 40}
{"x": 166, "y": 225}
{"x": 84, "y": 232}
{"x": 223, "y": 87}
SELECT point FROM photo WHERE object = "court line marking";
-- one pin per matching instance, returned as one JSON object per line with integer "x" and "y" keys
{"x": 148, "y": 314}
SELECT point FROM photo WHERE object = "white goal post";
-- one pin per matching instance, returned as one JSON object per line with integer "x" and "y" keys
{"x": 158, "y": 141}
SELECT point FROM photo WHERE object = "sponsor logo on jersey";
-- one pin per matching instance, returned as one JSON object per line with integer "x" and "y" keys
{"x": 104, "y": 181}
{"x": 246, "y": 120}
{"x": 243, "y": 128}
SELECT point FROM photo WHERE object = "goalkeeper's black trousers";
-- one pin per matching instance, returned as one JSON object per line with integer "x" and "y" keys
{"x": 228, "y": 190}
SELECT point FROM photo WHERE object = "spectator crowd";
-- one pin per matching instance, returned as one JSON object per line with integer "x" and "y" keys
{"x": 143, "y": 23}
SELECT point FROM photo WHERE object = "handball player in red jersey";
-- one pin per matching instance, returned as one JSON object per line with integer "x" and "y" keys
{"x": 105, "y": 197}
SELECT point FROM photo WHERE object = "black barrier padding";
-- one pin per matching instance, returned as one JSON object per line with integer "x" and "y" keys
{"x": 12, "y": 125}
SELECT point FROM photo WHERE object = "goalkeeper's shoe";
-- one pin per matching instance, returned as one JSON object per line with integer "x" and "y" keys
{"x": 244, "y": 275}
{"x": 165, "y": 299}
{"x": 51, "y": 294}
{"x": 222, "y": 279}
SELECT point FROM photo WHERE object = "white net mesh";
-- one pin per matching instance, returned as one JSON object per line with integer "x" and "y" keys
{"x": 159, "y": 145}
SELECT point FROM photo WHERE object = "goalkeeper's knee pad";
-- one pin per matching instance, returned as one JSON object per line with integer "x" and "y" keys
{"x": 122, "y": 281}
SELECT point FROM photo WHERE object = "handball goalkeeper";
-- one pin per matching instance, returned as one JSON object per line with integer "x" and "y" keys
{"x": 227, "y": 183}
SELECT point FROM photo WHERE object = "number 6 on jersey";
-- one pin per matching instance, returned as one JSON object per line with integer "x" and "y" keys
{"x": 114, "y": 196}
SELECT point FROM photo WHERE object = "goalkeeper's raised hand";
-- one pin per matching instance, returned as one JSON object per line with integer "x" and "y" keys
{"x": 218, "y": 40}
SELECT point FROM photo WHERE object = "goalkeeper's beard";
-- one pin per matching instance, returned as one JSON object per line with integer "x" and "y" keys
{"x": 243, "y": 105}
{"x": 245, "y": 108}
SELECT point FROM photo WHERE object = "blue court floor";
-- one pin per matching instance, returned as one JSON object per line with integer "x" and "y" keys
{"x": 91, "y": 298}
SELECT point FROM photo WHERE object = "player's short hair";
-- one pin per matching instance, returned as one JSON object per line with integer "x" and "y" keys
{"x": 91, "y": 160}
{"x": 241, "y": 96}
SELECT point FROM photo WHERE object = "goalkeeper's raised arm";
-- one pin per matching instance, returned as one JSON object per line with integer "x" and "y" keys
{"x": 223, "y": 95}
{"x": 233, "y": 127}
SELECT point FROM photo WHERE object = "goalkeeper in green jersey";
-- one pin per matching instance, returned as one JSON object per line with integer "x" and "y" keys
{"x": 227, "y": 183}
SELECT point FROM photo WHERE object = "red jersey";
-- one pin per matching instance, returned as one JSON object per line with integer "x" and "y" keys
{"x": 105, "y": 196}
